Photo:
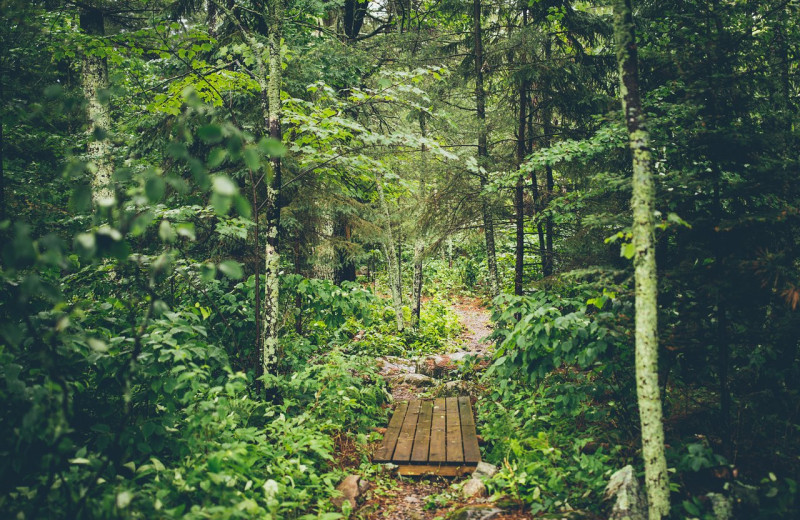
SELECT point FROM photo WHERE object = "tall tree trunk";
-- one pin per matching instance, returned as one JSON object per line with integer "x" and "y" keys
{"x": 537, "y": 197}
{"x": 94, "y": 77}
{"x": 390, "y": 251}
{"x": 273, "y": 209}
{"x": 2, "y": 170}
{"x": 419, "y": 241}
{"x": 643, "y": 202}
{"x": 324, "y": 252}
{"x": 345, "y": 269}
{"x": 483, "y": 149}
{"x": 547, "y": 130}
{"x": 519, "y": 191}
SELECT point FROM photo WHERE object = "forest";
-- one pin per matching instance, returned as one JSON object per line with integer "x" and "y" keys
{"x": 239, "y": 237}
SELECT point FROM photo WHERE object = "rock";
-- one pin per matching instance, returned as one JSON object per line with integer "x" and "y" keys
{"x": 629, "y": 502}
{"x": 412, "y": 379}
{"x": 474, "y": 488}
{"x": 411, "y": 499}
{"x": 395, "y": 365}
{"x": 485, "y": 469}
{"x": 351, "y": 488}
{"x": 475, "y": 513}
{"x": 453, "y": 389}
{"x": 437, "y": 366}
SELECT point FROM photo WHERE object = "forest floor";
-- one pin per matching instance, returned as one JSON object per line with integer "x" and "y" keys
{"x": 428, "y": 498}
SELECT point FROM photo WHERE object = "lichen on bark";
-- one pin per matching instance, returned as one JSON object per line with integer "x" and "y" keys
{"x": 646, "y": 323}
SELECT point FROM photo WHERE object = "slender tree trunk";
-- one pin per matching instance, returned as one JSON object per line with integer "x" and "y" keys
{"x": 2, "y": 170}
{"x": 537, "y": 197}
{"x": 390, "y": 251}
{"x": 273, "y": 209}
{"x": 419, "y": 241}
{"x": 94, "y": 77}
{"x": 483, "y": 149}
{"x": 643, "y": 202}
{"x": 419, "y": 248}
{"x": 547, "y": 130}
{"x": 324, "y": 252}
{"x": 345, "y": 269}
{"x": 449, "y": 252}
{"x": 519, "y": 262}
{"x": 400, "y": 263}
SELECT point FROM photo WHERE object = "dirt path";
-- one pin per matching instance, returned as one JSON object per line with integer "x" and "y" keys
{"x": 397, "y": 498}
{"x": 476, "y": 320}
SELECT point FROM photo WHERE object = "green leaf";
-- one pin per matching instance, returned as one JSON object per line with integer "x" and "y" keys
{"x": 224, "y": 186}
{"x": 242, "y": 206}
{"x": 81, "y": 199}
{"x": 155, "y": 188}
{"x": 216, "y": 157}
{"x": 271, "y": 147}
{"x": 251, "y": 158}
{"x": 627, "y": 250}
{"x": 186, "y": 230}
{"x": 124, "y": 499}
{"x": 210, "y": 133}
{"x": 208, "y": 272}
{"x": 165, "y": 231}
{"x": 221, "y": 203}
{"x": 231, "y": 269}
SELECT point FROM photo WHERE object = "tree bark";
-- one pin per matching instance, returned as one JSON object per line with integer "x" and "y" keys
{"x": 419, "y": 241}
{"x": 94, "y": 78}
{"x": 643, "y": 202}
{"x": 547, "y": 130}
{"x": 519, "y": 191}
{"x": 273, "y": 210}
{"x": 324, "y": 252}
{"x": 483, "y": 149}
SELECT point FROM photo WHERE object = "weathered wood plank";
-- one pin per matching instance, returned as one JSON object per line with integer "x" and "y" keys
{"x": 455, "y": 449}
{"x": 402, "y": 453}
{"x": 422, "y": 439}
{"x": 385, "y": 451}
{"x": 438, "y": 443}
{"x": 472, "y": 453}
{"x": 433, "y": 469}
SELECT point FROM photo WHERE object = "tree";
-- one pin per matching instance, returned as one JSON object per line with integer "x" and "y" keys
{"x": 94, "y": 77}
{"x": 483, "y": 147}
{"x": 644, "y": 258}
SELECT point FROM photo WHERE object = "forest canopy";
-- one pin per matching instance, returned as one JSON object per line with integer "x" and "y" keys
{"x": 225, "y": 225}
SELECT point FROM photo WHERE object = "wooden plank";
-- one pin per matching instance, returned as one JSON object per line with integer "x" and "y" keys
{"x": 438, "y": 447}
{"x": 384, "y": 453}
{"x": 455, "y": 449}
{"x": 422, "y": 439}
{"x": 472, "y": 453}
{"x": 433, "y": 469}
{"x": 402, "y": 452}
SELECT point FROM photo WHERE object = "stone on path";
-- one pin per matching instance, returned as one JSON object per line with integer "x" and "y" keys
{"x": 474, "y": 488}
{"x": 475, "y": 513}
{"x": 453, "y": 389}
{"x": 351, "y": 488}
{"x": 484, "y": 469}
{"x": 629, "y": 502}
{"x": 411, "y": 379}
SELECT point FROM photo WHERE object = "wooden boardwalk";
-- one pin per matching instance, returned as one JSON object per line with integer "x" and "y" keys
{"x": 432, "y": 436}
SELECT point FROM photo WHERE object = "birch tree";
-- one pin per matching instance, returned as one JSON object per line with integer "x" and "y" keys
{"x": 94, "y": 79}
{"x": 649, "y": 399}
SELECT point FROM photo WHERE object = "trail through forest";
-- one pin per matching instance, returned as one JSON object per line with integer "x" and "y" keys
{"x": 427, "y": 498}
